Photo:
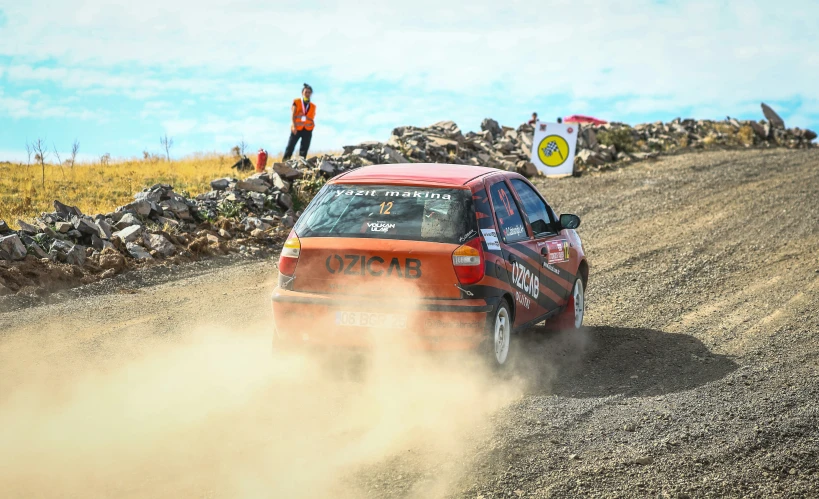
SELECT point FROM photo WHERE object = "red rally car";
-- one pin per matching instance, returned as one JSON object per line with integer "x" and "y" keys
{"x": 444, "y": 257}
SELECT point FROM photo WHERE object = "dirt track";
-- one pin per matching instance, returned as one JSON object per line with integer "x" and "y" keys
{"x": 697, "y": 374}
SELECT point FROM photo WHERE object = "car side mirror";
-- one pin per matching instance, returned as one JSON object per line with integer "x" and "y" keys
{"x": 569, "y": 221}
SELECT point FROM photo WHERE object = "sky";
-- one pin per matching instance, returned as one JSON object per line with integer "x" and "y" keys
{"x": 117, "y": 75}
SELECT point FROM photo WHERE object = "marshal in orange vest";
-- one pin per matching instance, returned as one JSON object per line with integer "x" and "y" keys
{"x": 303, "y": 115}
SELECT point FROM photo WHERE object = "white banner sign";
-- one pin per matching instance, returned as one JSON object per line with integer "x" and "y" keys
{"x": 553, "y": 148}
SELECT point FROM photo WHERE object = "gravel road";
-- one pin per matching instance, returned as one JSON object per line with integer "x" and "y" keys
{"x": 697, "y": 374}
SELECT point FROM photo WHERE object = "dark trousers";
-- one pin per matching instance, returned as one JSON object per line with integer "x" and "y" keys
{"x": 305, "y": 136}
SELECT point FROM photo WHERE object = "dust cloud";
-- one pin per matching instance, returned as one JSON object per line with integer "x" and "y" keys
{"x": 215, "y": 412}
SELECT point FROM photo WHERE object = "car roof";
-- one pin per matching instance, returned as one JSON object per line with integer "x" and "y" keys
{"x": 414, "y": 173}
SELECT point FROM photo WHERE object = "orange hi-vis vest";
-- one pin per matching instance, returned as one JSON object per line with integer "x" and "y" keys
{"x": 303, "y": 116}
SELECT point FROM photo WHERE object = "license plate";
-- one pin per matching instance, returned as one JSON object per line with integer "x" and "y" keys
{"x": 371, "y": 319}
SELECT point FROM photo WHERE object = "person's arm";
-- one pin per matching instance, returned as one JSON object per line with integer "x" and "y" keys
{"x": 293, "y": 118}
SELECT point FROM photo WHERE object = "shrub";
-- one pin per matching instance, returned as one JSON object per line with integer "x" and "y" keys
{"x": 746, "y": 135}
{"x": 620, "y": 138}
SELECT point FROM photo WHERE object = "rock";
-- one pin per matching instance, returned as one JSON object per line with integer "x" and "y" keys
{"x": 574, "y": 457}
{"x": 127, "y": 220}
{"x": 220, "y": 184}
{"x": 105, "y": 229}
{"x": 288, "y": 221}
{"x": 772, "y": 117}
{"x": 66, "y": 211}
{"x": 809, "y": 134}
{"x": 284, "y": 200}
{"x": 759, "y": 130}
{"x": 177, "y": 206}
{"x": 76, "y": 255}
{"x": 140, "y": 207}
{"x": 85, "y": 226}
{"x": 12, "y": 248}
{"x": 393, "y": 156}
{"x": 257, "y": 233}
{"x": 279, "y": 183}
{"x": 63, "y": 227}
{"x": 286, "y": 172}
{"x": 253, "y": 185}
{"x": 158, "y": 243}
{"x": 527, "y": 169}
{"x": 644, "y": 460}
{"x": 27, "y": 228}
{"x": 4, "y": 227}
{"x": 108, "y": 274}
{"x": 491, "y": 126}
{"x": 36, "y": 250}
{"x": 590, "y": 157}
{"x": 138, "y": 252}
{"x": 129, "y": 234}
{"x": 225, "y": 234}
{"x": 327, "y": 168}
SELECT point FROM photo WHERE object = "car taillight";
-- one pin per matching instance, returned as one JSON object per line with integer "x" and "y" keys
{"x": 468, "y": 262}
{"x": 290, "y": 255}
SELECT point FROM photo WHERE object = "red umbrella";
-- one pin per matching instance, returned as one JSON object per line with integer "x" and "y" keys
{"x": 577, "y": 118}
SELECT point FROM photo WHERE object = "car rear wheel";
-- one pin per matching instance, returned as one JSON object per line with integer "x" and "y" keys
{"x": 501, "y": 344}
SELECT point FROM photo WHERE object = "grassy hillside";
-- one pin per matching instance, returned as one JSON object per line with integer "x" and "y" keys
{"x": 100, "y": 188}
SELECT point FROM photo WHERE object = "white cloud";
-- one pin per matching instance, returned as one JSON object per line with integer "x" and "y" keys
{"x": 376, "y": 64}
{"x": 689, "y": 51}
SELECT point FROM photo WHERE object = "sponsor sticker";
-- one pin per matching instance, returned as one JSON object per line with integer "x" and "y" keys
{"x": 525, "y": 280}
{"x": 524, "y": 300}
{"x": 467, "y": 236}
{"x": 394, "y": 194}
{"x": 513, "y": 231}
{"x": 491, "y": 238}
{"x": 380, "y": 226}
{"x": 375, "y": 266}
{"x": 557, "y": 251}
{"x": 551, "y": 267}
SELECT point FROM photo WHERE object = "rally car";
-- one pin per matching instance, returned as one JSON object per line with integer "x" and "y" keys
{"x": 444, "y": 257}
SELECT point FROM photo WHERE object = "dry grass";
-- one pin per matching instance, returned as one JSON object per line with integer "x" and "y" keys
{"x": 96, "y": 188}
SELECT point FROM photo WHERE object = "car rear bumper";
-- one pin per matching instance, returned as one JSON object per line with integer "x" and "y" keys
{"x": 310, "y": 319}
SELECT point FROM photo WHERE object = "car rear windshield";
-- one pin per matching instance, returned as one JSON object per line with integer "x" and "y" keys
{"x": 390, "y": 212}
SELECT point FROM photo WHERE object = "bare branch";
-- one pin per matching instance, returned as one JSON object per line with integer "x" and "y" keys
{"x": 75, "y": 148}
{"x": 59, "y": 160}
{"x": 28, "y": 151}
{"x": 167, "y": 143}
{"x": 41, "y": 153}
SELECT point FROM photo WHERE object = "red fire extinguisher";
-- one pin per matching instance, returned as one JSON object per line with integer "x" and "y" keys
{"x": 261, "y": 161}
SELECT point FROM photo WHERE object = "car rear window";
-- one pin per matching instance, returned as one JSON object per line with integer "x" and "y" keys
{"x": 432, "y": 214}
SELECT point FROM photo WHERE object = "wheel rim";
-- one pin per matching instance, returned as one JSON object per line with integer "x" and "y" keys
{"x": 503, "y": 330}
{"x": 579, "y": 306}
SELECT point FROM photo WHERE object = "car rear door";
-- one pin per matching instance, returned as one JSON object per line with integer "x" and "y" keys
{"x": 553, "y": 249}
{"x": 521, "y": 258}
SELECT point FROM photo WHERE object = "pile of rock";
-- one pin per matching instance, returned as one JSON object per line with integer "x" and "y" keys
{"x": 494, "y": 146}
{"x": 599, "y": 147}
{"x": 247, "y": 216}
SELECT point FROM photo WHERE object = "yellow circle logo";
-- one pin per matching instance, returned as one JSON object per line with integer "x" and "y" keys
{"x": 553, "y": 150}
